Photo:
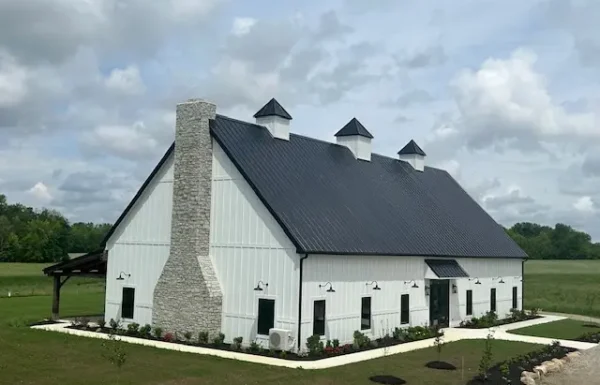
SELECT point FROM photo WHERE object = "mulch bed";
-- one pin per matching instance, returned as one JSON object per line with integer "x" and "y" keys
{"x": 441, "y": 365}
{"x": 385, "y": 379}
{"x": 500, "y": 322}
{"x": 518, "y": 364}
{"x": 329, "y": 352}
{"x": 44, "y": 322}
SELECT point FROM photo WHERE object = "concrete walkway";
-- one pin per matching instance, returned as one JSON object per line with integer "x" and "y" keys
{"x": 450, "y": 335}
{"x": 577, "y": 317}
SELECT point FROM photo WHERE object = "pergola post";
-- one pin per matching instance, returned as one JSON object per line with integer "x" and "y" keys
{"x": 56, "y": 298}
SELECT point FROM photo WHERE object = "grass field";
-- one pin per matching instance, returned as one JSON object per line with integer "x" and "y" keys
{"x": 563, "y": 286}
{"x": 565, "y": 330}
{"x": 27, "y": 279}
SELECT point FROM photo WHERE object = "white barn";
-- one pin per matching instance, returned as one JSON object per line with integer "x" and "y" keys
{"x": 243, "y": 228}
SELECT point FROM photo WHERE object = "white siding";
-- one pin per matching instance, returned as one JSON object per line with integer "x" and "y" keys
{"x": 140, "y": 247}
{"x": 349, "y": 275}
{"x": 247, "y": 245}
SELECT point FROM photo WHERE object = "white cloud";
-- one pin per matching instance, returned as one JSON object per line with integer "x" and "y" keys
{"x": 242, "y": 25}
{"x": 13, "y": 80}
{"x": 126, "y": 80}
{"x": 40, "y": 192}
{"x": 584, "y": 204}
{"x": 128, "y": 142}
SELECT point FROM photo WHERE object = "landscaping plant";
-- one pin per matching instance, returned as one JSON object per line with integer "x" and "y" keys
{"x": 237, "y": 343}
{"x": 133, "y": 329}
{"x": 219, "y": 338}
{"x": 439, "y": 342}
{"x": 187, "y": 336}
{"x": 115, "y": 353}
{"x": 203, "y": 338}
{"x": 315, "y": 345}
{"x": 157, "y": 332}
{"x": 145, "y": 331}
{"x": 486, "y": 357}
{"x": 505, "y": 371}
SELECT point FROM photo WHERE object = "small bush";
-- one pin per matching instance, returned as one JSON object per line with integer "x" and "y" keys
{"x": 157, "y": 332}
{"x": 203, "y": 338}
{"x": 399, "y": 334}
{"x": 283, "y": 354}
{"x": 254, "y": 347}
{"x": 145, "y": 331}
{"x": 219, "y": 338}
{"x": 113, "y": 324}
{"x": 315, "y": 345}
{"x": 237, "y": 343}
{"x": 336, "y": 343}
{"x": 133, "y": 329}
{"x": 101, "y": 323}
{"x": 169, "y": 337}
{"x": 361, "y": 341}
{"x": 535, "y": 312}
{"x": 187, "y": 336}
{"x": 328, "y": 344}
{"x": 486, "y": 358}
{"x": 84, "y": 321}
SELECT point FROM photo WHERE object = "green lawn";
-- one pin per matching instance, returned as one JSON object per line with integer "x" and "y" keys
{"x": 27, "y": 279}
{"x": 565, "y": 330}
{"x": 563, "y": 286}
{"x": 43, "y": 358}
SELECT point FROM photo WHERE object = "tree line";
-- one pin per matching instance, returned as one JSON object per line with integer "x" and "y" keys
{"x": 28, "y": 235}
{"x": 560, "y": 242}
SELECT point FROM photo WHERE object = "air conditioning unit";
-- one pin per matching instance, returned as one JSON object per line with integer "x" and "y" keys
{"x": 279, "y": 339}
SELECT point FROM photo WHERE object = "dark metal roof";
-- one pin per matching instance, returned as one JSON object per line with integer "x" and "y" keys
{"x": 90, "y": 263}
{"x": 411, "y": 148}
{"x": 327, "y": 202}
{"x": 273, "y": 108}
{"x": 354, "y": 127}
{"x": 446, "y": 268}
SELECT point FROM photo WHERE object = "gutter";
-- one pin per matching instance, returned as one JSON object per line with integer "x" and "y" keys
{"x": 300, "y": 302}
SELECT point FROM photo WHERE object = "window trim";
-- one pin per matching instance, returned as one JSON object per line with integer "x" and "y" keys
{"x": 493, "y": 308}
{"x": 469, "y": 304}
{"x": 402, "y": 309}
{"x": 370, "y": 312}
{"x": 515, "y": 297}
{"x": 269, "y": 298}
{"x": 315, "y": 300}
{"x": 122, "y": 298}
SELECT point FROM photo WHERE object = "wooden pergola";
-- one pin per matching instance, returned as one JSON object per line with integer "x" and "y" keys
{"x": 92, "y": 265}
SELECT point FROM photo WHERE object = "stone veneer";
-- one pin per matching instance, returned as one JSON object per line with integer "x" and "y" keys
{"x": 188, "y": 296}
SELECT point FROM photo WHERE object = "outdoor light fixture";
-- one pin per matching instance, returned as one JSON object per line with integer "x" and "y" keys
{"x": 121, "y": 274}
{"x": 376, "y": 285}
{"x": 258, "y": 287}
{"x": 477, "y": 282}
{"x": 500, "y": 281}
{"x": 414, "y": 286}
{"x": 330, "y": 290}
{"x": 454, "y": 288}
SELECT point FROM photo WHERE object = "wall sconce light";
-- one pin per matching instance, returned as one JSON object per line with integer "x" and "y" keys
{"x": 414, "y": 286}
{"x": 330, "y": 290}
{"x": 121, "y": 274}
{"x": 519, "y": 277}
{"x": 477, "y": 282}
{"x": 454, "y": 289}
{"x": 376, "y": 285}
{"x": 427, "y": 290}
{"x": 259, "y": 287}
{"x": 500, "y": 281}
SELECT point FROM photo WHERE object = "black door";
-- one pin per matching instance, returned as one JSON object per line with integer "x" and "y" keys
{"x": 439, "y": 302}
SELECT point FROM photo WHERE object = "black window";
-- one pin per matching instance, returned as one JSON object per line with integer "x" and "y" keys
{"x": 493, "y": 300}
{"x": 404, "y": 309}
{"x": 515, "y": 304}
{"x": 128, "y": 302}
{"x": 266, "y": 315}
{"x": 469, "y": 302}
{"x": 365, "y": 313}
{"x": 319, "y": 318}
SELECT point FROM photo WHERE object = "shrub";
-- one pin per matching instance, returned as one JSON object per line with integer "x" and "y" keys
{"x": 219, "y": 338}
{"x": 361, "y": 341}
{"x": 517, "y": 315}
{"x": 399, "y": 334}
{"x": 203, "y": 338}
{"x": 439, "y": 342}
{"x": 145, "y": 330}
{"x": 254, "y": 347}
{"x": 534, "y": 312}
{"x": 133, "y": 329}
{"x": 486, "y": 357}
{"x": 115, "y": 353}
{"x": 314, "y": 345}
{"x": 158, "y": 332}
{"x": 504, "y": 370}
{"x": 101, "y": 323}
{"x": 328, "y": 344}
{"x": 237, "y": 343}
{"x": 169, "y": 337}
{"x": 187, "y": 336}
{"x": 336, "y": 343}
{"x": 283, "y": 354}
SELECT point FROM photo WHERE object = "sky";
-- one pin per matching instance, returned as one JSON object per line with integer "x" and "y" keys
{"x": 504, "y": 95}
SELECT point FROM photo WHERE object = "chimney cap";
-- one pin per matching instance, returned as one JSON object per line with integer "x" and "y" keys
{"x": 354, "y": 127}
{"x": 411, "y": 148}
{"x": 273, "y": 108}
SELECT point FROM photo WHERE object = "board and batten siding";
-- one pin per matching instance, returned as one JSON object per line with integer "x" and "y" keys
{"x": 140, "y": 247}
{"x": 349, "y": 276}
{"x": 247, "y": 245}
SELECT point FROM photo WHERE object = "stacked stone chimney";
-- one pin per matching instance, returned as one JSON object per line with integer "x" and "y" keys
{"x": 188, "y": 296}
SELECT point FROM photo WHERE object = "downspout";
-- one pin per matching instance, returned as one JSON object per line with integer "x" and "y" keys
{"x": 523, "y": 284}
{"x": 300, "y": 303}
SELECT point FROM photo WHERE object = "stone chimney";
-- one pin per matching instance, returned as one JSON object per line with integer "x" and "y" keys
{"x": 188, "y": 296}
{"x": 414, "y": 155}
{"x": 356, "y": 137}
{"x": 277, "y": 120}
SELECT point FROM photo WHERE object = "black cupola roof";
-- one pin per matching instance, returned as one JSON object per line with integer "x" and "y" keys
{"x": 273, "y": 108}
{"x": 354, "y": 127}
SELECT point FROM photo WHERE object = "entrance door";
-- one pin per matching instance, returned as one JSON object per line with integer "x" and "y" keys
{"x": 439, "y": 302}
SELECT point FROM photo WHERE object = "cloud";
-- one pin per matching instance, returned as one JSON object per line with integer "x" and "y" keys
{"x": 584, "y": 204}
{"x": 412, "y": 97}
{"x": 13, "y": 81}
{"x": 40, "y": 192}
{"x": 126, "y": 80}
{"x": 242, "y": 25}
{"x": 431, "y": 56}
